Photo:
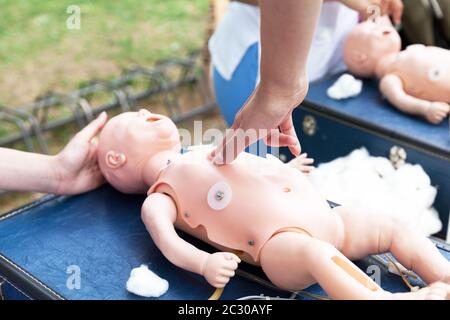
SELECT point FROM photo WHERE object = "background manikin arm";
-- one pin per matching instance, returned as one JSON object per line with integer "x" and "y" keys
{"x": 392, "y": 88}
{"x": 159, "y": 214}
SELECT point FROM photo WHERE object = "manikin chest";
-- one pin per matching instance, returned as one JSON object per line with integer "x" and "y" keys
{"x": 425, "y": 72}
{"x": 240, "y": 206}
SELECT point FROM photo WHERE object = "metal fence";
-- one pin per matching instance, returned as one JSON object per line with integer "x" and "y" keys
{"x": 30, "y": 122}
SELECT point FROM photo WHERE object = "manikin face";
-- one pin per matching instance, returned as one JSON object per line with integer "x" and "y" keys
{"x": 368, "y": 43}
{"x": 129, "y": 142}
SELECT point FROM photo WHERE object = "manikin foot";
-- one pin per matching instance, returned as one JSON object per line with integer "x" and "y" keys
{"x": 435, "y": 291}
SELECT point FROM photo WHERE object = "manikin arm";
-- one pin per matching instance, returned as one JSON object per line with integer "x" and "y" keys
{"x": 302, "y": 163}
{"x": 159, "y": 214}
{"x": 392, "y": 88}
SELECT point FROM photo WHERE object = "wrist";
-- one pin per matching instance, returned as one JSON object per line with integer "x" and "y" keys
{"x": 424, "y": 107}
{"x": 283, "y": 88}
{"x": 293, "y": 93}
{"x": 204, "y": 262}
{"x": 57, "y": 174}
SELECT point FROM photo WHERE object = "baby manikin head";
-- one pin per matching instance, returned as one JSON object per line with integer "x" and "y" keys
{"x": 368, "y": 43}
{"x": 133, "y": 147}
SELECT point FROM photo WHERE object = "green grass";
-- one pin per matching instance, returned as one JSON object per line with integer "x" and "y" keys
{"x": 39, "y": 53}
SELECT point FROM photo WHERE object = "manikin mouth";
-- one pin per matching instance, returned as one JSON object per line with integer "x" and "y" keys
{"x": 386, "y": 32}
{"x": 153, "y": 118}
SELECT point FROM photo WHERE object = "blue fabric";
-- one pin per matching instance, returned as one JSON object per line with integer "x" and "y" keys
{"x": 102, "y": 233}
{"x": 232, "y": 94}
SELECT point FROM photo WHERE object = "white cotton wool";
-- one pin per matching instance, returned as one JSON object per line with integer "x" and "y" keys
{"x": 345, "y": 87}
{"x": 373, "y": 185}
{"x": 143, "y": 282}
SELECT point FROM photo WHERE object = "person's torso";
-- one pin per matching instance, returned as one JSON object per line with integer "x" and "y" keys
{"x": 240, "y": 29}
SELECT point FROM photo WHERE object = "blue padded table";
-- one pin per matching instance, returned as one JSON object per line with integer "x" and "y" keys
{"x": 372, "y": 111}
{"x": 329, "y": 129}
{"x": 102, "y": 234}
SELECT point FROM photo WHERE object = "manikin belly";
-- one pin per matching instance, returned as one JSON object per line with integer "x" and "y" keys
{"x": 333, "y": 224}
{"x": 316, "y": 219}
{"x": 422, "y": 89}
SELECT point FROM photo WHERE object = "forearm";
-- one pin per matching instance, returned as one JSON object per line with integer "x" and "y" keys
{"x": 179, "y": 252}
{"x": 159, "y": 215}
{"x": 410, "y": 104}
{"x": 287, "y": 29}
{"x": 24, "y": 171}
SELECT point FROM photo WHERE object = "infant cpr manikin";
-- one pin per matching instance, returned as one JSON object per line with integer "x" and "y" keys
{"x": 416, "y": 80}
{"x": 259, "y": 210}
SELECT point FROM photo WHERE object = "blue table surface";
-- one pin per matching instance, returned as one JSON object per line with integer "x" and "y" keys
{"x": 370, "y": 108}
{"x": 102, "y": 233}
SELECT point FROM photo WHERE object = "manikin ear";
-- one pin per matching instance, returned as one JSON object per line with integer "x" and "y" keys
{"x": 115, "y": 159}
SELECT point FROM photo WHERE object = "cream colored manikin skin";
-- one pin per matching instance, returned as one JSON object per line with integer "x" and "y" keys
{"x": 263, "y": 210}
{"x": 416, "y": 80}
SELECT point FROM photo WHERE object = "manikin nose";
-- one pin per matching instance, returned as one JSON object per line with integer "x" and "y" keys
{"x": 143, "y": 113}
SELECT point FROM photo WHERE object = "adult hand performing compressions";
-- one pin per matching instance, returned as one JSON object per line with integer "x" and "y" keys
{"x": 266, "y": 115}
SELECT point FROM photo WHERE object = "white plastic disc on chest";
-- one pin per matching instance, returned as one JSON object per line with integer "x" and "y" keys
{"x": 219, "y": 196}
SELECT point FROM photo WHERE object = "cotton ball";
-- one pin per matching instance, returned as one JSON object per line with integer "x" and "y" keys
{"x": 429, "y": 222}
{"x": 358, "y": 157}
{"x": 412, "y": 176}
{"x": 415, "y": 184}
{"x": 382, "y": 166}
{"x": 375, "y": 186}
{"x": 345, "y": 87}
{"x": 143, "y": 282}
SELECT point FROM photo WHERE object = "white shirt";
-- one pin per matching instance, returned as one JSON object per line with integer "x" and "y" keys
{"x": 240, "y": 29}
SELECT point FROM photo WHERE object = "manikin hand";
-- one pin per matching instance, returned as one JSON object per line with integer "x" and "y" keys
{"x": 76, "y": 164}
{"x": 266, "y": 115}
{"x": 302, "y": 163}
{"x": 392, "y": 8}
{"x": 437, "y": 111}
{"x": 220, "y": 267}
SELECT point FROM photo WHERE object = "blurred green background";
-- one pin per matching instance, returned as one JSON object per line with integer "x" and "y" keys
{"x": 39, "y": 53}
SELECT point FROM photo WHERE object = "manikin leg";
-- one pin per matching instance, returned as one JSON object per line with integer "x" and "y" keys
{"x": 367, "y": 234}
{"x": 294, "y": 261}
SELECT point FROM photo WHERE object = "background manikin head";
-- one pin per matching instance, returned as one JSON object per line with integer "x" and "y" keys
{"x": 133, "y": 143}
{"x": 368, "y": 43}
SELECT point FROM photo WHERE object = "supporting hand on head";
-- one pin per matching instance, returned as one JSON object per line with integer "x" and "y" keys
{"x": 76, "y": 165}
